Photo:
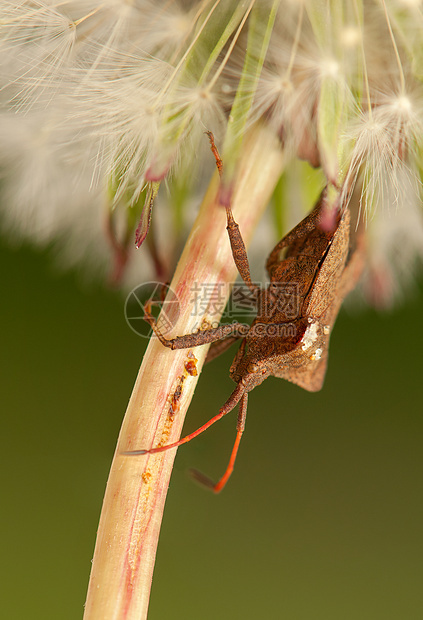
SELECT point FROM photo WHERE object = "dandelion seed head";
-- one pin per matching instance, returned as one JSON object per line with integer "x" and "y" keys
{"x": 39, "y": 206}
{"x": 403, "y": 104}
{"x": 120, "y": 113}
{"x": 39, "y": 41}
{"x": 412, "y": 4}
{"x": 350, "y": 37}
{"x": 401, "y": 114}
{"x": 329, "y": 67}
{"x": 226, "y": 88}
{"x": 387, "y": 140}
{"x": 192, "y": 110}
{"x": 178, "y": 21}
{"x": 395, "y": 250}
{"x": 112, "y": 93}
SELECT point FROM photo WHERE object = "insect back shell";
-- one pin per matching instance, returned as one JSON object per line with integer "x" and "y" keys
{"x": 305, "y": 365}
{"x": 324, "y": 295}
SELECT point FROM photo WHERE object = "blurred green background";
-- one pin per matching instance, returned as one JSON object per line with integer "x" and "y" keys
{"x": 322, "y": 519}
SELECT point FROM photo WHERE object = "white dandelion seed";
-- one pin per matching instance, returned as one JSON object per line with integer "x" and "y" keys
{"x": 106, "y": 96}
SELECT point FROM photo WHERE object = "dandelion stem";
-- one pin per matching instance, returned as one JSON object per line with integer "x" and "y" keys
{"x": 136, "y": 490}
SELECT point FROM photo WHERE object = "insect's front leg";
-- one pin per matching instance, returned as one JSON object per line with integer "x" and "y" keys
{"x": 196, "y": 339}
{"x": 239, "y": 252}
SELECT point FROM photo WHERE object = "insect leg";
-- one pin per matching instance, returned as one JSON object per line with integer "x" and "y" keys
{"x": 196, "y": 339}
{"x": 239, "y": 252}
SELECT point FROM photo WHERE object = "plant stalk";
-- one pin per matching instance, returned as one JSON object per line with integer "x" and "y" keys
{"x": 133, "y": 505}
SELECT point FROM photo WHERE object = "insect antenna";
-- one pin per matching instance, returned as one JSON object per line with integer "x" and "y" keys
{"x": 237, "y": 395}
{"x": 205, "y": 480}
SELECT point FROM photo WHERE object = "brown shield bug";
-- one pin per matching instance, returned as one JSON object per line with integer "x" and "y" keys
{"x": 289, "y": 338}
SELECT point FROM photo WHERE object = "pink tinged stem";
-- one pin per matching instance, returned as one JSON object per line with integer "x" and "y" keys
{"x": 136, "y": 490}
